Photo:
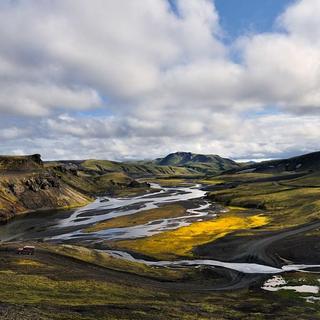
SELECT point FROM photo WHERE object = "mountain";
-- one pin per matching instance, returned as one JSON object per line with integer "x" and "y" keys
{"x": 182, "y": 164}
{"x": 136, "y": 169}
{"x": 305, "y": 163}
{"x": 202, "y": 163}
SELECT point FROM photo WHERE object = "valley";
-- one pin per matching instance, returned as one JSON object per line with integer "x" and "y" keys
{"x": 155, "y": 241}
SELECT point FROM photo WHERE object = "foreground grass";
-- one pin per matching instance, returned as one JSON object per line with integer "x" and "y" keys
{"x": 66, "y": 288}
{"x": 180, "y": 242}
{"x": 142, "y": 217}
{"x": 104, "y": 260}
{"x": 39, "y": 289}
{"x": 90, "y": 299}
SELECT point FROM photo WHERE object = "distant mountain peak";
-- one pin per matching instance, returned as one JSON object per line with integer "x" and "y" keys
{"x": 204, "y": 163}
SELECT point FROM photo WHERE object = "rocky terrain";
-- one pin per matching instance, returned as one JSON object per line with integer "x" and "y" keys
{"x": 28, "y": 184}
{"x": 20, "y": 163}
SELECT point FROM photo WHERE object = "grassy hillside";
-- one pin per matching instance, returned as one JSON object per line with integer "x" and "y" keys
{"x": 136, "y": 169}
{"x": 174, "y": 165}
{"x": 287, "y": 201}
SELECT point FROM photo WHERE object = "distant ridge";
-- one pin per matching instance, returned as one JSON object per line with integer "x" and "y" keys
{"x": 21, "y": 163}
{"x": 204, "y": 163}
{"x": 306, "y": 162}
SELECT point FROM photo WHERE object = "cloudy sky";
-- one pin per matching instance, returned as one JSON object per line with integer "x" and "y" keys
{"x": 123, "y": 79}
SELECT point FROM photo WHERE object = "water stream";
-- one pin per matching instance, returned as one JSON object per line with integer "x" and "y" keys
{"x": 71, "y": 224}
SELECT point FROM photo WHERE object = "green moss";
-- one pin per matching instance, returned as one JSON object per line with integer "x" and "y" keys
{"x": 39, "y": 289}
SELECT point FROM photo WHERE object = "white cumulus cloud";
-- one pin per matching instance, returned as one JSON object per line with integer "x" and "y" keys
{"x": 159, "y": 80}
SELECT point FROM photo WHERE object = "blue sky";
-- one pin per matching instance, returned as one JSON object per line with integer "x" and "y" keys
{"x": 238, "y": 17}
{"x": 241, "y": 16}
{"x": 120, "y": 79}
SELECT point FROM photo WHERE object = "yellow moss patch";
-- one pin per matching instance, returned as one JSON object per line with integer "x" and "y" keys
{"x": 170, "y": 182}
{"x": 29, "y": 262}
{"x": 211, "y": 181}
{"x": 139, "y": 218}
{"x": 237, "y": 208}
{"x": 180, "y": 242}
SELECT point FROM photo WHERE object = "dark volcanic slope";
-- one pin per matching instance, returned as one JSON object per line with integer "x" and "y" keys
{"x": 20, "y": 163}
{"x": 307, "y": 162}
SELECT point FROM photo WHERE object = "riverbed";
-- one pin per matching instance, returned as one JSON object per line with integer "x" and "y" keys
{"x": 58, "y": 225}
{"x": 69, "y": 226}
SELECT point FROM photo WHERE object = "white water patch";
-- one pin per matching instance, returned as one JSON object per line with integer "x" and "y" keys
{"x": 249, "y": 268}
{"x": 117, "y": 207}
{"x": 273, "y": 283}
{"x": 312, "y": 299}
{"x": 295, "y": 267}
{"x": 277, "y": 283}
{"x": 144, "y": 230}
{"x": 301, "y": 289}
{"x": 120, "y": 207}
{"x": 153, "y": 227}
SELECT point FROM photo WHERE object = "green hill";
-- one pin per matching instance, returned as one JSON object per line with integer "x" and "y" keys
{"x": 207, "y": 164}
{"x": 136, "y": 169}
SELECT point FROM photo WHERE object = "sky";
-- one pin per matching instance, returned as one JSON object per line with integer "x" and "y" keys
{"x": 238, "y": 17}
{"x": 118, "y": 79}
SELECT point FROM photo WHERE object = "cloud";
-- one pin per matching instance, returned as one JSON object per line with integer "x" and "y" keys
{"x": 118, "y": 49}
{"x": 266, "y": 136}
{"x": 12, "y": 133}
{"x": 302, "y": 20}
{"x": 163, "y": 80}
